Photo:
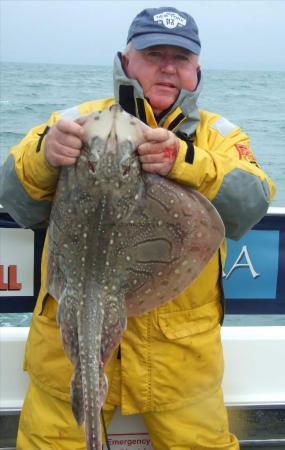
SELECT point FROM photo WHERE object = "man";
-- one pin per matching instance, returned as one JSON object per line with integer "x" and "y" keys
{"x": 169, "y": 367}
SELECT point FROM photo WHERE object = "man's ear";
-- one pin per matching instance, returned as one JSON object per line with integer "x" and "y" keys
{"x": 125, "y": 61}
{"x": 198, "y": 74}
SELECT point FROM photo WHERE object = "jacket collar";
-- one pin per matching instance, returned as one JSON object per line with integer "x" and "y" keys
{"x": 182, "y": 117}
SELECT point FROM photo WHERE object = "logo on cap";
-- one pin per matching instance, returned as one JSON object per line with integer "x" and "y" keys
{"x": 170, "y": 19}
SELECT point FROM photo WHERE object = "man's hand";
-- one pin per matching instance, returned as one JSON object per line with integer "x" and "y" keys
{"x": 159, "y": 152}
{"x": 63, "y": 143}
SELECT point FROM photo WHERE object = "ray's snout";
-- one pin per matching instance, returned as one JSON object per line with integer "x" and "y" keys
{"x": 112, "y": 140}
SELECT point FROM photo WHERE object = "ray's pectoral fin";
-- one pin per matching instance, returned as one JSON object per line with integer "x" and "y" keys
{"x": 179, "y": 233}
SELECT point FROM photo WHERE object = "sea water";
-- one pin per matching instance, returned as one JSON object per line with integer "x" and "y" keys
{"x": 254, "y": 100}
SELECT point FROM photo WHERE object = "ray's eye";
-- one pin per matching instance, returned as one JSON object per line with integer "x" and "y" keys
{"x": 126, "y": 171}
{"x": 91, "y": 166}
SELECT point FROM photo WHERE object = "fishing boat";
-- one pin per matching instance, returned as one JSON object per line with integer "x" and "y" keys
{"x": 254, "y": 381}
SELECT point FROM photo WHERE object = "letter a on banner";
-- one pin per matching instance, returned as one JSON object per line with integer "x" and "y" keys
{"x": 243, "y": 254}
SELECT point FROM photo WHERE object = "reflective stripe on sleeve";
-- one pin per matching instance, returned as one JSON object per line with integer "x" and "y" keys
{"x": 223, "y": 126}
{"x": 15, "y": 200}
{"x": 242, "y": 201}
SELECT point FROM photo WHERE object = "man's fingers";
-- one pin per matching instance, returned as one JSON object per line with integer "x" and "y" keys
{"x": 69, "y": 140}
{"x": 156, "y": 134}
{"x": 151, "y": 168}
{"x": 154, "y": 158}
{"x": 160, "y": 141}
{"x": 159, "y": 168}
{"x": 64, "y": 151}
{"x": 63, "y": 161}
{"x": 150, "y": 147}
{"x": 70, "y": 127}
{"x": 159, "y": 152}
{"x": 61, "y": 155}
{"x": 169, "y": 150}
{"x": 63, "y": 143}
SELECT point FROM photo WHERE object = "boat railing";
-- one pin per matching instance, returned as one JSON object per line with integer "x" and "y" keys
{"x": 254, "y": 283}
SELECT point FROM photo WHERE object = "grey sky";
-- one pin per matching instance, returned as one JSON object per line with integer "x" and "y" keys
{"x": 235, "y": 34}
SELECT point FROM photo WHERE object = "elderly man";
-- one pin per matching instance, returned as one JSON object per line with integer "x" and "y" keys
{"x": 169, "y": 366}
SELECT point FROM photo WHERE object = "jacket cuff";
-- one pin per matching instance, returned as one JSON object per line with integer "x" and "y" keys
{"x": 176, "y": 171}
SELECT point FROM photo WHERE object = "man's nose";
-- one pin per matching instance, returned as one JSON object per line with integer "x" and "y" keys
{"x": 168, "y": 65}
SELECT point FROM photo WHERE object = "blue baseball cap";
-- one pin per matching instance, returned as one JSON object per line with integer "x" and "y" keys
{"x": 164, "y": 26}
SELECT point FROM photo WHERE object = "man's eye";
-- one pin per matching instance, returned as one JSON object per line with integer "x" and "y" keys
{"x": 181, "y": 58}
{"x": 154, "y": 54}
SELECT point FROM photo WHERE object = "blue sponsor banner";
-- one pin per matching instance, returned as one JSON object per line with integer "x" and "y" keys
{"x": 251, "y": 269}
{"x": 253, "y": 279}
{"x": 254, "y": 272}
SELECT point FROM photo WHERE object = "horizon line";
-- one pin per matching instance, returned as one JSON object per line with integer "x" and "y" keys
{"x": 272, "y": 69}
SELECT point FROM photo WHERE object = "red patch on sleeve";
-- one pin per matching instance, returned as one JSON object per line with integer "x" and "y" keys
{"x": 245, "y": 153}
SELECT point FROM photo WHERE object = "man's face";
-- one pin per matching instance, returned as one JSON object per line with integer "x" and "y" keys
{"x": 162, "y": 71}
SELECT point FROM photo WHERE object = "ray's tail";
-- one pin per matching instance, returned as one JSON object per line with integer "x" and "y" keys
{"x": 94, "y": 386}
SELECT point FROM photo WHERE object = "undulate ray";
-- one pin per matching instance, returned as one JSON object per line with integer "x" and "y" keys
{"x": 120, "y": 242}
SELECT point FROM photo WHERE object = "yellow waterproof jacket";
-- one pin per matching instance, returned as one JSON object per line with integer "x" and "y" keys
{"x": 173, "y": 354}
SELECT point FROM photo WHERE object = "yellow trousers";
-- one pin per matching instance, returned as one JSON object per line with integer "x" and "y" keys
{"x": 47, "y": 423}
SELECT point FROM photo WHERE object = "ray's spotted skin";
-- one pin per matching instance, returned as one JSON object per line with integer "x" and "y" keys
{"x": 121, "y": 242}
